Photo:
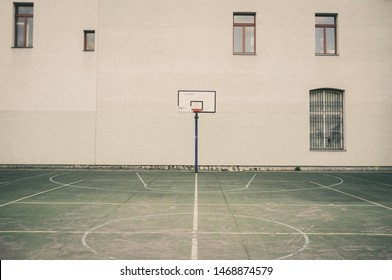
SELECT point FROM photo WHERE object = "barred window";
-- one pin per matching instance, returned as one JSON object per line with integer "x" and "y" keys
{"x": 326, "y": 119}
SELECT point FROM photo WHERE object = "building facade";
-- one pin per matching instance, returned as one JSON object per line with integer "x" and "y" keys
{"x": 95, "y": 82}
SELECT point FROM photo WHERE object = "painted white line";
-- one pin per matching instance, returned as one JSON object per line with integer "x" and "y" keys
{"x": 185, "y": 231}
{"x": 369, "y": 181}
{"x": 279, "y": 191}
{"x": 24, "y": 178}
{"x": 36, "y": 194}
{"x": 300, "y": 233}
{"x": 41, "y": 231}
{"x": 348, "y": 194}
{"x": 188, "y": 204}
{"x": 195, "y": 221}
{"x": 250, "y": 182}
{"x": 147, "y": 187}
{"x": 55, "y": 182}
{"x": 333, "y": 185}
{"x": 141, "y": 179}
{"x": 385, "y": 175}
{"x": 240, "y": 189}
{"x": 69, "y": 203}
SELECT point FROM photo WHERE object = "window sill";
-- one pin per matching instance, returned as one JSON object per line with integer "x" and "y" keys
{"x": 326, "y": 54}
{"x": 327, "y": 150}
{"x": 245, "y": 54}
{"x": 21, "y": 47}
{"x": 89, "y": 50}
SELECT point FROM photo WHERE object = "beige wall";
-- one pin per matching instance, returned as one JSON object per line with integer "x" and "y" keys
{"x": 117, "y": 105}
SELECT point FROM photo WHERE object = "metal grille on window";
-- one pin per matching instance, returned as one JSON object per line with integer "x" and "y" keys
{"x": 326, "y": 119}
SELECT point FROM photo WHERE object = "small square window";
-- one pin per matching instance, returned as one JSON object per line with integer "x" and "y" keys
{"x": 89, "y": 40}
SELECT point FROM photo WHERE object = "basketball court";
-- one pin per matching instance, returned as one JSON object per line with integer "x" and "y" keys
{"x": 164, "y": 215}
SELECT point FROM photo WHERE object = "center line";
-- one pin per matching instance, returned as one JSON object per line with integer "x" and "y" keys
{"x": 195, "y": 223}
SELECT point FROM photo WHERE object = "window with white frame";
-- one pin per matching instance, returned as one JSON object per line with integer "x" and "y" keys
{"x": 326, "y": 119}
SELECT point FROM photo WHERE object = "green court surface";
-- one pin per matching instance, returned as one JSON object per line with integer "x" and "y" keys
{"x": 126, "y": 214}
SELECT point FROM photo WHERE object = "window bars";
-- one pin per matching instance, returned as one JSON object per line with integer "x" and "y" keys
{"x": 326, "y": 119}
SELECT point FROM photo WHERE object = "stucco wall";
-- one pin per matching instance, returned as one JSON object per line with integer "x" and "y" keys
{"x": 117, "y": 105}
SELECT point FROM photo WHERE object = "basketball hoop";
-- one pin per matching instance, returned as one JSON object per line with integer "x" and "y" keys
{"x": 197, "y": 110}
{"x": 196, "y": 101}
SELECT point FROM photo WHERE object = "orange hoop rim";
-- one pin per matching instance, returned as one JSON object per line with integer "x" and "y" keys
{"x": 196, "y": 110}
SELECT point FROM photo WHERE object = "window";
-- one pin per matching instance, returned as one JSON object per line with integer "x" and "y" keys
{"x": 325, "y": 34}
{"x": 326, "y": 119}
{"x": 244, "y": 33}
{"x": 89, "y": 40}
{"x": 23, "y": 25}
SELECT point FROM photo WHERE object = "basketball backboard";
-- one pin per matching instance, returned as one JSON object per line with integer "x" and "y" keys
{"x": 190, "y": 100}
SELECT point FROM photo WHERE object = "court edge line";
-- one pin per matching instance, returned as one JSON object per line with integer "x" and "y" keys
{"x": 36, "y": 194}
{"x": 200, "y": 232}
{"x": 188, "y": 204}
{"x": 348, "y": 194}
{"x": 195, "y": 221}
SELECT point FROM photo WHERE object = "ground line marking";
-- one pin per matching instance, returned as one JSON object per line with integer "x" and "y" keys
{"x": 141, "y": 179}
{"x": 195, "y": 222}
{"x": 94, "y": 230}
{"x": 348, "y": 194}
{"x": 244, "y": 188}
{"x": 200, "y": 232}
{"x": 369, "y": 181}
{"x": 189, "y": 204}
{"x": 147, "y": 187}
{"x": 29, "y": 196}
{"x": 24, "y": 178}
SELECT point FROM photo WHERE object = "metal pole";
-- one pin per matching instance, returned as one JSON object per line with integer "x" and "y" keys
{"x": 196, "y": 141}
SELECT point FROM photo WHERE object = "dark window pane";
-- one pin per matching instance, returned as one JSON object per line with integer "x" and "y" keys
{"x": 89, "y": 40}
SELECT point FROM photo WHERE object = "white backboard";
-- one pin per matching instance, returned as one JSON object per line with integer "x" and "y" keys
{"x": 188, "y": 100}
